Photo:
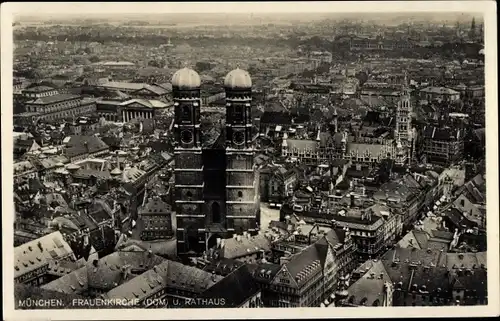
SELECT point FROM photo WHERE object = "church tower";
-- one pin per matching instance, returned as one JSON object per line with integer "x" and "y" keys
{"x": 404, "y": 133}
{"x": 242, "y": 195}
{"x": 188, "y": 172}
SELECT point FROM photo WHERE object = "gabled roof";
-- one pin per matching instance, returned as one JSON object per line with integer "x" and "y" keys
{"x": 236, "y": 289}
{"x": 37, "y": 253}
{"x": 243, "y": 246}
{"x": 303, "y": 263}
{"x": 107, "y": 274}
{"x": 369, "y": 289}
{"x": 442, "y": 133}
{"x": 78, "y": 145}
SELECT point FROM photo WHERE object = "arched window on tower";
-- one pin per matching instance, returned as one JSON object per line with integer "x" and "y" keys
{"x": 216, "y": 213}
{"x": 186, "y": 113}
{"x": 238, "y": 114}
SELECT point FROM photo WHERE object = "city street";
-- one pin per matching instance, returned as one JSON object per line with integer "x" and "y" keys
{"x": 267, "y": 215}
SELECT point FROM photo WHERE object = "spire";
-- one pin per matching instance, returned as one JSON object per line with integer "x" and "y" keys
{"x": 404, "y": 85}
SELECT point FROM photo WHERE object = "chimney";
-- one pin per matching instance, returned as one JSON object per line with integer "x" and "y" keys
{"x": 95, "y": 263}
{"x": 40, "y": 246}
{"x": 126, "y": 271}
{"x": 214, "y": 277}
{"x": 284, "y": 260}
{"x": 219, "y": 242}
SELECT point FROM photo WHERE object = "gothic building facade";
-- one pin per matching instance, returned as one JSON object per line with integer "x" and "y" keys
{"x": 404, "y": 133}
{"x": 216, "y": 188}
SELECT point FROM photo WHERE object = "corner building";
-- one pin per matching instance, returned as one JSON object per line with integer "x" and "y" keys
{"x": 216, "y": 192}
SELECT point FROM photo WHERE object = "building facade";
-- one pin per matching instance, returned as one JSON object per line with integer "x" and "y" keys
{"x": 157, "y": 219}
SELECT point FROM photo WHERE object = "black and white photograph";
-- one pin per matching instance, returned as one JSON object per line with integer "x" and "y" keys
{"x": 189, "y": 156}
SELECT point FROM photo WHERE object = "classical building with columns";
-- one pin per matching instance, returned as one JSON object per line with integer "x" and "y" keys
{"x": 216, "y": 188}
{"x": 125, "y": 111}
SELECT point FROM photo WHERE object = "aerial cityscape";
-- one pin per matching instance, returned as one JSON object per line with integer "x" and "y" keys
{"x": 249, "y": 161}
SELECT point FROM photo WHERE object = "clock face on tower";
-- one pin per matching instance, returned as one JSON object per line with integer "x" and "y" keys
{"x": 186, "y": 136}
{"x": 238, "y": 137}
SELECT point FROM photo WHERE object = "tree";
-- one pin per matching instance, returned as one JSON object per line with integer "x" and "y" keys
{"x": 362, "y": 77}
{"x": 156, "y": 63}
{"x": 94, "y": 59}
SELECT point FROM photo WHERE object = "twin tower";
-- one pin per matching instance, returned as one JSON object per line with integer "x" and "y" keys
{"x": 216, "y": 189}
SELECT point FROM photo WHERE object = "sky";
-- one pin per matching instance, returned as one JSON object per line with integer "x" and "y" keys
{"x": 267, "y": 11}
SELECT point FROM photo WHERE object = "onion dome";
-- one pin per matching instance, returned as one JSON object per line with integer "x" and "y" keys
{"x": 186, "y": 78}
{"x": 238, "y": 79}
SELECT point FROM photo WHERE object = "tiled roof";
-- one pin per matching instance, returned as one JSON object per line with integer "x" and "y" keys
{"x": 264, "y": 272}
{"x": 474, "y": 282}
{"x": 143, "y": 285}
{"x": 222, "y": 266}
{"x": 409, "y": 241}
{"x": 123, "y": 85}
{"x": 236, "y": 288}
{"x": 189, "y": 278}
{"x": 369, "y": 289}
{"x": 37, "y": 253}
{"x": 52, "y": 161}
{"x": 245, "y": 245}
{"x": 156, "y": 206}
{"x": 439, "y": 90}
{"x": 107, "y": 274}
{"x": 442, "y": 133}
{"x": 303, "y": 263}
{"x": 22, "y": 167}
{"x": 422, "y": 257}
{"x": 455, "y": 261}
{"x": 87, "y": 173}
{"x": 78, "y": 145}
{"x": 38, "y": 89}
{"x": 53, "y": 99}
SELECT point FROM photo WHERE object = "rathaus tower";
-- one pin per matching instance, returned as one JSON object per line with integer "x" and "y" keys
{"x": 404, "y": 133}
